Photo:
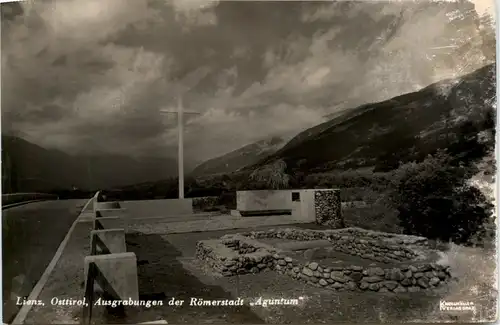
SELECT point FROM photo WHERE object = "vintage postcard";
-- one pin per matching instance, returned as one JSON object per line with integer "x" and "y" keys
{"x": 230, "y": 162}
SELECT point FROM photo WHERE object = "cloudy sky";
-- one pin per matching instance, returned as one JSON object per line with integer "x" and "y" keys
{"x": 92, "y": 76}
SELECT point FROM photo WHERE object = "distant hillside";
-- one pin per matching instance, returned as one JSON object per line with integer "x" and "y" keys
{"x": 28, "y": 167}
{"x": 247, "y": 155}
{"x": 446, "y": 114}
{"x": 374, "y": 138}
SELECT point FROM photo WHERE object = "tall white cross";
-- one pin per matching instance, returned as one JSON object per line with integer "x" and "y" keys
{"x": 180, "y": 128}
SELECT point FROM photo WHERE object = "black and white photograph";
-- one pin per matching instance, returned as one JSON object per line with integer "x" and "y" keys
{"x": 248, "y": 162}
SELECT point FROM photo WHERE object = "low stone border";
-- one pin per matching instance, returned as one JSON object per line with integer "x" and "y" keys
{"x": 410, "y": 278}
{"x": 242, "y": 254}
{"x": 377, "y": 246}
{"x": 236, "y": 255}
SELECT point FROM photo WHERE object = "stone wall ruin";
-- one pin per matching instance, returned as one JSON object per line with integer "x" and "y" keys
{"x": 243, "y": 253}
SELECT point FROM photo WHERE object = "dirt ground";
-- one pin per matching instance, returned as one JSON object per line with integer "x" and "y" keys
{"x": 173, "y": 271}
{"x": 168, "y": 269}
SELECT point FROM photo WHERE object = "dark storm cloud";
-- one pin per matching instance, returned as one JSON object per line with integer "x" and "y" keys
{"x": 92, "y": 75}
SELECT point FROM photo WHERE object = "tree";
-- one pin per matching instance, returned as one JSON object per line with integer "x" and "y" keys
{"x": 434, "y": 200}
{"x": 297, "y": 178}
{"x": 271, "y": 176}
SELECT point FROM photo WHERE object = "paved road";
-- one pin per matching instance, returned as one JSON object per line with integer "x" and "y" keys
{"x": 31, "y": 235}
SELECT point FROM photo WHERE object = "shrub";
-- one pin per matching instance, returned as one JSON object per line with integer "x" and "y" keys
{"x": 378, "y": 216}
{"x": 434, "y": 200}
{"x": 271, "y": 176}
{"x": 206, "y": 203}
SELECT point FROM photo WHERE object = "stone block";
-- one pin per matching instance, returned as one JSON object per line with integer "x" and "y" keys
{"x": 328, "y": 208}
{"x": 108, "y": 241}
{"x": 116, "y": 274}
{"x": 303, "y": 205}
{"x": 263, "y": 200}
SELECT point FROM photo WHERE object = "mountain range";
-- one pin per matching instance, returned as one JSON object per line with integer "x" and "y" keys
{"x": 379, "y": 135}
{"x": 27, "y": 167}
{"x": 404, "y": 128}
{"x": 242, "y": 157}
{"x": 446, "y": 114}
{"x": 252, "y": 153}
